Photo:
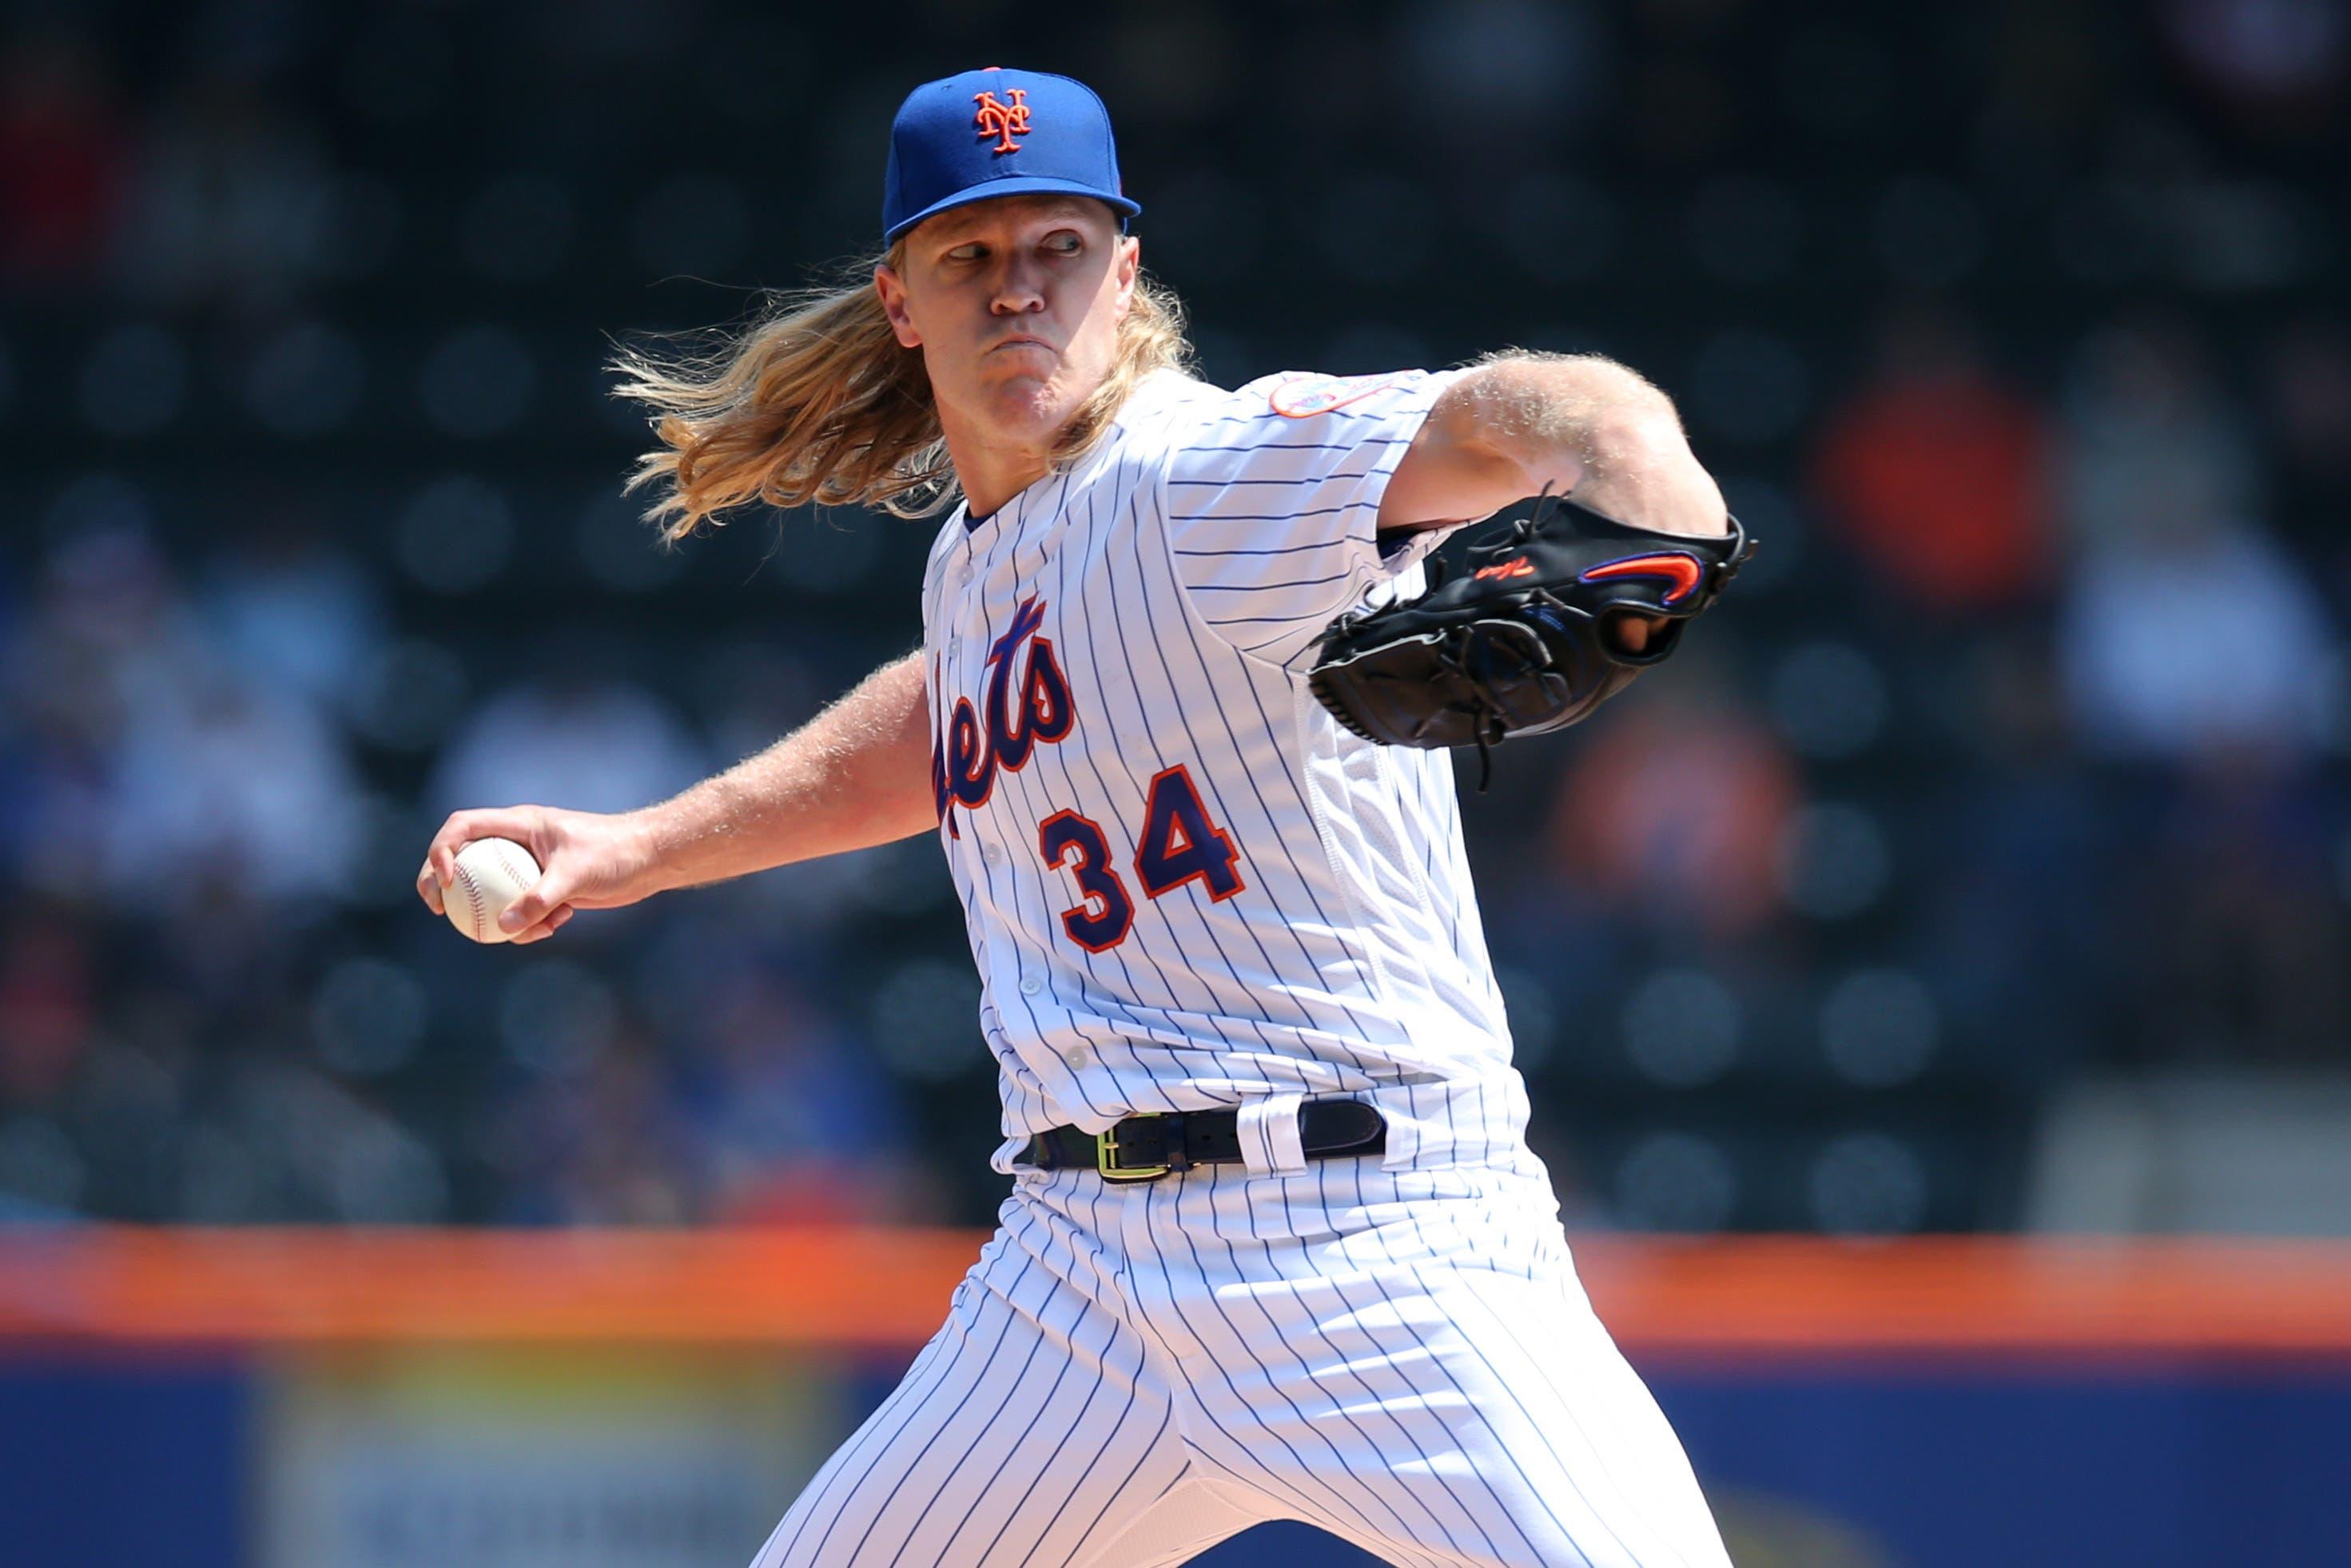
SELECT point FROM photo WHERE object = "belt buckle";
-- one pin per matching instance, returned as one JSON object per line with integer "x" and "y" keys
{"x": 1106, "y": 1154}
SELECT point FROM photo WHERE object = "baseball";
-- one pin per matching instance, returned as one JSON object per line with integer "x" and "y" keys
{"x": 491, "y": 874}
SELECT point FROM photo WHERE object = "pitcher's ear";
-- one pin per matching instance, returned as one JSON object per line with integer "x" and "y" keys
{"x": 891, "y": 289}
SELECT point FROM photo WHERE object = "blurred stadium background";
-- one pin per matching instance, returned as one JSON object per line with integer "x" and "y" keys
{"x": 1986, "y": 869}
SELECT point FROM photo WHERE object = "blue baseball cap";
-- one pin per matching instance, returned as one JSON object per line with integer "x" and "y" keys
{"x": 997, "y": 133}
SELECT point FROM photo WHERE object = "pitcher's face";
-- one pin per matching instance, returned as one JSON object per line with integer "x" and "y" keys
{"x": 1015, "y": 304}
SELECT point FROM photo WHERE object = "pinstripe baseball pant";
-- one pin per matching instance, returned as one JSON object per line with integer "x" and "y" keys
{"x": 1131, "y": 1373}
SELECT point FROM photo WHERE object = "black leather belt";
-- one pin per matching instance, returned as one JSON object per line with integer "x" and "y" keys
{"x": 1148, "y": 1146}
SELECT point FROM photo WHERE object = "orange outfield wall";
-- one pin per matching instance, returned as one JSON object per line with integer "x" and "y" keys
{"x": 812, "y": 1287}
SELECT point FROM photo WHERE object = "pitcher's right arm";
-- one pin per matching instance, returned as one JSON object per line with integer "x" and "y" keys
{"x": 856, "y": 775}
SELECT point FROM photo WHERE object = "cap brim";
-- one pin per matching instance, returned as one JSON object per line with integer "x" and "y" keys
{"x": 1019, "y": 185}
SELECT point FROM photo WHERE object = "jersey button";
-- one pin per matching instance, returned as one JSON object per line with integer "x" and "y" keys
{"x": 991, "y": 854}
{"x": 1031, "y": 984}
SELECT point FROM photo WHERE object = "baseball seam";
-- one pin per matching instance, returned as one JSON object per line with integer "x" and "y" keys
{"x": 521, "y": 867}
{"x": 473, "y": 901}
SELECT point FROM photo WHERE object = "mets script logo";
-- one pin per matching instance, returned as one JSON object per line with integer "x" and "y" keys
{"x": 1022, "y": 710}
{"x": 1683, "y": 571}
{"x": 1002, "y": 120}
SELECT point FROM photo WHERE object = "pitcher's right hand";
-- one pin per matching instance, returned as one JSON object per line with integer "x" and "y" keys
{"x": 587, "y": 860}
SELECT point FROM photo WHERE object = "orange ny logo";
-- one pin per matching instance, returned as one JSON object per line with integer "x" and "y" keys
{"x": 1002, "y": 120}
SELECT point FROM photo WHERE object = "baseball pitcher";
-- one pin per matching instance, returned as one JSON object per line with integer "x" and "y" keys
{"x": 1275, "y": 1247}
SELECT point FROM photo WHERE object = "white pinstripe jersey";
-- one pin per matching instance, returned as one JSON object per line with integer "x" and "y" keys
{"x": 1186, "y": 885}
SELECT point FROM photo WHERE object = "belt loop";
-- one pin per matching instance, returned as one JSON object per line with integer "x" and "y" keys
{"x": 1173, "y": 1154}
{"x": 1268, "y": 1128}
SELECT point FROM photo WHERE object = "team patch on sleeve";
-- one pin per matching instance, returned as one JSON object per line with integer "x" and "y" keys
{"x": 1301, "y": 397}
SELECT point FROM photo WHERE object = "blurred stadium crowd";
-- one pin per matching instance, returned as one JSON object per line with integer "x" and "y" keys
{"x": 2020, "y": 338}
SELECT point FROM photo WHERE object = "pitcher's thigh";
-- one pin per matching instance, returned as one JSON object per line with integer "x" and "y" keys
{"x": 1583, "y": 1461}
{"x": 1029, "y": 1430}
{"x": 1454, "y": 1416}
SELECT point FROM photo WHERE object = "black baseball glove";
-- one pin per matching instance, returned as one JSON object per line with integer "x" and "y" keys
{"x": 1522, "y": 640}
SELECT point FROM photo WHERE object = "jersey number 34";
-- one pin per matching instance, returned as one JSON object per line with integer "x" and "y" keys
{"x": 1178, "y": 844}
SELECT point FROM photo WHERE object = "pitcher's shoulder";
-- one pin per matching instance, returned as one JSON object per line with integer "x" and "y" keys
{"x": 1167, "y": 400}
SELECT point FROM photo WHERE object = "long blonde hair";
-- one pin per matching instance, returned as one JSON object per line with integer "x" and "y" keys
{"x": 816, "y": 401}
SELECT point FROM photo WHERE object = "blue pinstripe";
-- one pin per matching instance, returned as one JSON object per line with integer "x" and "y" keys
{"x": 1277, "y": 549}
{"x": 1269, "y": 586}
{"x": 1236, "y": 480}
{"x": 1296, "y": 517}
{"x": 1301, "y": 445}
